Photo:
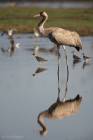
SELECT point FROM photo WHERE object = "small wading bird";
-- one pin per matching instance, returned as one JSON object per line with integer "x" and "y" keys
{"x": 59, "y": 110}
{"x": 57, "y": 35}
{"x": 10, "y": 33}
{"x": 39, "y": 70}
{"x": 76, "y": 57}
{"x": 13, "y": 46}
{"x": 40, "y": 59}
{"x": 35, "y": 53}
{"x": 86, "y": 58}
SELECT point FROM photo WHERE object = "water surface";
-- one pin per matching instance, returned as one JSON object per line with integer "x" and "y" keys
{"x": 23, "y": 96}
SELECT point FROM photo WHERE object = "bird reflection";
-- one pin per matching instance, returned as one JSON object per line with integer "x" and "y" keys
{"x": 40, "y": 59}
{"x": 86, "y": 63}
{"x": 37, "y": 50}
{"x": 76, "y": 59}
{"x": 4, "y": 50}
{"x": 60, "y": 108}
{"x": 11, "y": 48}
{"x": 9, "y": 33}
{"x": 39, "y": 70}
{"x": 87, "y": 60}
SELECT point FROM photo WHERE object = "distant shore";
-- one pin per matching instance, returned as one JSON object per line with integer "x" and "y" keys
{"x": 80, "y": 20}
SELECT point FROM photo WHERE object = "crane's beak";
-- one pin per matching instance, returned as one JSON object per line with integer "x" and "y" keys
{"x": 37, "y": 15}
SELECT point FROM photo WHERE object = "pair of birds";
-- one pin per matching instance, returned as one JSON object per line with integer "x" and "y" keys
{"x": 13, "y": 45}
{"x": 60, "y": 37}
{"x": 76, "y": 57}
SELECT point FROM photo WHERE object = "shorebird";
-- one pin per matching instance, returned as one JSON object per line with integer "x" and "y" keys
{"x": 86, "y": 58}
{"x": 38, "y": 49}
{"x": 10, "y": 33}
{"x": 59, "y": 110}
{"x": 76, "y": 57}
{"x": 13, "y": 46}
{"x": 40, "y": 59}
{"x": 4, "y": 50}
{"x": 35, "y": 53}
{"x": 39, "y": 70}
{"x": 57, "y": 35}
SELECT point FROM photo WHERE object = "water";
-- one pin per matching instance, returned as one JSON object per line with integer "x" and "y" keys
{"x": 51, "y": 4}
{"x": 23, "y": 96}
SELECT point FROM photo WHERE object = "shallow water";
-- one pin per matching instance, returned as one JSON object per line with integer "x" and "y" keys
{"x": 23, "y": 96}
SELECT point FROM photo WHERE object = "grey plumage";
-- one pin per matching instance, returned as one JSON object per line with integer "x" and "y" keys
{"x": 9, "y": 33}
{"x": 57, "y": 35}
{"x": 40, "y": 59}
{"x": 59, "y": 110}
{"x": 39, "y": 70}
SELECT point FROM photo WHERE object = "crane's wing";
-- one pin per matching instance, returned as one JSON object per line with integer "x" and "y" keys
{"x": 66, "y": 37}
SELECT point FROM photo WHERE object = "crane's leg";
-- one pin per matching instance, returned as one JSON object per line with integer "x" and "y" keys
{"x": 67, "y": 74}
{"x": 58, "y": 99}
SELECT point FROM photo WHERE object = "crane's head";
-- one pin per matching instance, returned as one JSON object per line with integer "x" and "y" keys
{"x": 42, "y": 14}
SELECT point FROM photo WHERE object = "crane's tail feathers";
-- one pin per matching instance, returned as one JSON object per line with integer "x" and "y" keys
{"x": 78, "y": 48}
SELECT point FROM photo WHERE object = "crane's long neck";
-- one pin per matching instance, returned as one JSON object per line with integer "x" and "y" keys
{"x": 40, "y": 120}
{"x": 41, "y": 25}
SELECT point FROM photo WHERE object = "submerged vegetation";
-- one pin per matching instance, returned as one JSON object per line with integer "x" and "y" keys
{"x": 80, "y": 20}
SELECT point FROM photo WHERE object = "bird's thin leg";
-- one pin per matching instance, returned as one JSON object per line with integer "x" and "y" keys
{"x": 58, "y": 99}
{"x": 67, "y": 74}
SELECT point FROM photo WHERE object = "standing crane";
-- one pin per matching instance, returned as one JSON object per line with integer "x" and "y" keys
{"x": 57, "y": 35}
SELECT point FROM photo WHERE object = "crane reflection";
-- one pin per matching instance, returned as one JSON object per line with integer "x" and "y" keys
{"x": 60, "y": 108}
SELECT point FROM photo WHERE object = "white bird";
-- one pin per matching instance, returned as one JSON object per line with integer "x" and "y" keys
{"x": 59, "y": 110}
{"x": 11, "y": 48}
{"x": 10, "y": 33}
{"x": 57, "y": 35}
